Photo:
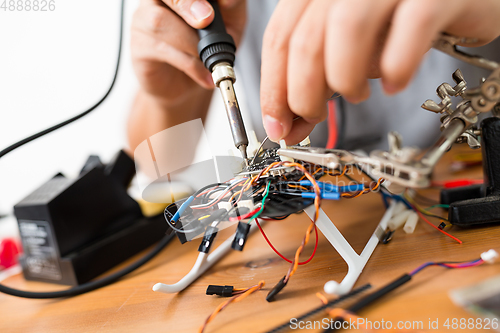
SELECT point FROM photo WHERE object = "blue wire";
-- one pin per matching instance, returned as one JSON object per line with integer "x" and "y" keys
{"x": 182, "y": 208}
{"x": 327, "y": 187}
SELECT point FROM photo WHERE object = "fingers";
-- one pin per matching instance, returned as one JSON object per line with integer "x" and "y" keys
{"x": 159, "y": 21}
{"x": 352, "y": 33}
{"x": 415, "y": 24}
{"x": 197, "y": 13}
{"x": 306, "y": 83}
{"x": 161, "y": 39}
{"x": 300, "y": 129}
{"x": 276, "y": 114}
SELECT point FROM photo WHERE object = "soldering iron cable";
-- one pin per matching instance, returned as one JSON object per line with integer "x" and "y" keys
{"x": 86, "y": 287}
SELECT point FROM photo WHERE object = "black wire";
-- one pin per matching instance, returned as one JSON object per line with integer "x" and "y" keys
{"x": 279, "y": 218}
{"x": 369, "y": 299}
{"x": 321, "y": 308}
{"x": 69, "y": 121}
{"x": 89, "y": 286}
{"x": 86, "y": 287}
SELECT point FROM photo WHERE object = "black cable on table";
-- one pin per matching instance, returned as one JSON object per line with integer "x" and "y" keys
{"x": 84, "y": 113}
{"x": 323, "y": 307}
{"x": 93, "y": 285}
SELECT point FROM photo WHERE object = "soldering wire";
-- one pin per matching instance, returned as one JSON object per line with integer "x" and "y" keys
{"x": 258, "y": 150}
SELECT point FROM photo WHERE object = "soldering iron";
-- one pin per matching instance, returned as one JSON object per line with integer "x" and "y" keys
{"x": 217, "y": 51}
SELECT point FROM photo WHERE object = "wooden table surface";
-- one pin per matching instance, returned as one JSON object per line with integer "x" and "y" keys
{"x": 131, "y": 306}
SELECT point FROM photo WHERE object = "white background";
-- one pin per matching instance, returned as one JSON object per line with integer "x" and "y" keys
{"x": 53, "y": 65}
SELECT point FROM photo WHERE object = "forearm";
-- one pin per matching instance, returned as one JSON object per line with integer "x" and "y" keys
{"x": 150, "y": 116}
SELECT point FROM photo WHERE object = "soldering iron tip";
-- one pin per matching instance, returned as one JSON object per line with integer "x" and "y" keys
{"x": 243, "y": 150}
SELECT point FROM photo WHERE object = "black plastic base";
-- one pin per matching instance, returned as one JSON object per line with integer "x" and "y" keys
{"x": 73, "y": 230}
{"x": 91, "y": 261}
{"x": 475, "y": 211}
{"x": 479, "y": 204}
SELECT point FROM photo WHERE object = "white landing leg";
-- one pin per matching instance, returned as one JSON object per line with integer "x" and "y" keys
{"x": 204, "y": 262}
{"x": 356, "y": 263}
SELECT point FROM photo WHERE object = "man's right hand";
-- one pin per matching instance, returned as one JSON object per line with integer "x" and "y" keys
{"x": 164, "y": 45}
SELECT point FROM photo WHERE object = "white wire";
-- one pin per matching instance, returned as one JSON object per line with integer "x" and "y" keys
{"x": 221, "y": 195}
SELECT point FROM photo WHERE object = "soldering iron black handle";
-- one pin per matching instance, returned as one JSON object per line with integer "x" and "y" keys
{"x": 216, "y": 45}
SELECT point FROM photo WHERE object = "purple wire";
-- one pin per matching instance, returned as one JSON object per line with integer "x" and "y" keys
{"x": 445, "y": 264}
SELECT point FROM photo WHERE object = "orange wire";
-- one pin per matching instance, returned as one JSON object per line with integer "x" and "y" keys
{"x": 297, "y": 186}
{"x": 234, "y": 299}
{"x": 351, "y": 317}
{"x": 317, "y": 201}
{"x": 322, "y": 298}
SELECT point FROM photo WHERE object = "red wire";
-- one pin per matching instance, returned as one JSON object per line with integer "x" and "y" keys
{"x": 466, "y": 265}
{"x": 242, "y": 217}
{"x": 432, "y": 225}
{"x": 283, "y": 257}
{"x": 457, "y": 183}
{"x": 332, "y": 125}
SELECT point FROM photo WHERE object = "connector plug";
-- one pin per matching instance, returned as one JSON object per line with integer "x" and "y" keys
{"x": 276, "y": 289}
{"x": 208, "y": 239}
{"x": 224, "y": 291}
{"x": 489, "y": 256}
{"x": 241, "y": 235}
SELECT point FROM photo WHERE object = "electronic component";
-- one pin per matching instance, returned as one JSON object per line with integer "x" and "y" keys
{"x": 241, "y": 235}
{"x": 398, "y": 220}
{"x": 224, "y": 291}
{"x": 411, "y": 223}
{"x": 274, "y": 189}
{"x": 276, "y": 289}
{"x": 66, "y": 225}
{"x": 208, "y": 239}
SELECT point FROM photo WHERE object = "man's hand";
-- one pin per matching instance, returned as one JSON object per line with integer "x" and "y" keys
{"x": 313, "y": 48}
{"x": 175, "y": 86}
{"x": 164, "y": 45}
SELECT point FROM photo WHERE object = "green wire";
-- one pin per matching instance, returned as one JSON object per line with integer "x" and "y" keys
{"x": 438, "y": 206}
{"x": 262, "y": 205}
